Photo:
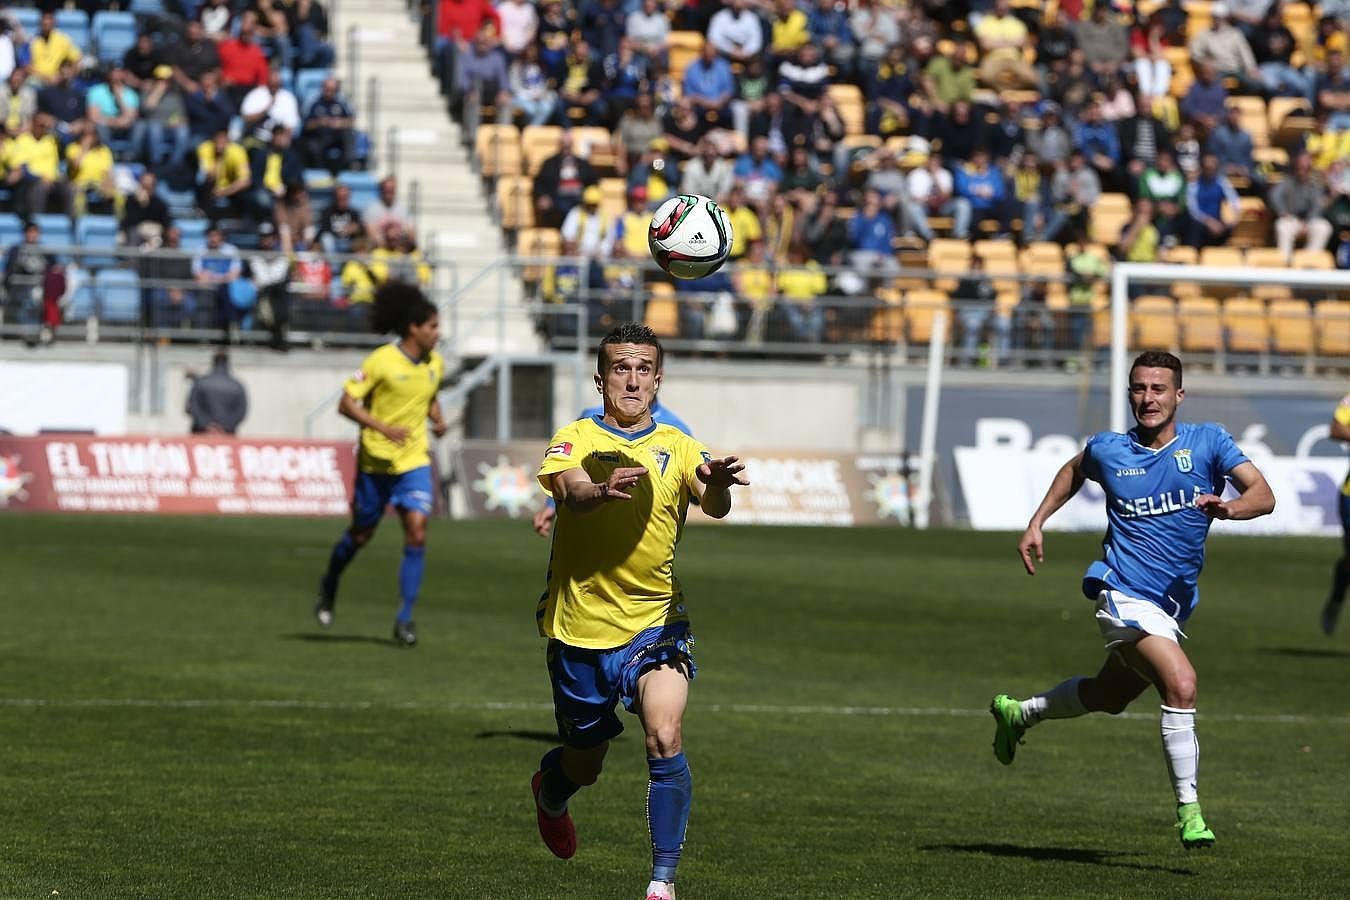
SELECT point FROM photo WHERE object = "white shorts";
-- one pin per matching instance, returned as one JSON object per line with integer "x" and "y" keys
{"x": 1124, "y": 620}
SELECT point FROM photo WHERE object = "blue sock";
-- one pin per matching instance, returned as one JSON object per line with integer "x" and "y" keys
{"x": 410, "y": 579}
{"x": 555, "y": 788}
{"x": 669, "y": 795}
{"x": 343, "y": 552}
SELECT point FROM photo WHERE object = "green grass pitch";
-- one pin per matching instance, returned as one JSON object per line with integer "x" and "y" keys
{"x": 173, "y": 723}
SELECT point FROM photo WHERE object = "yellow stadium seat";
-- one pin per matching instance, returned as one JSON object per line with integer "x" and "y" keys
{"x": 1180, "y": 255}
{"x": 1291, "y": 327}
{"x": 537, "y": 242}
{"x": 1332, "y": 327}
{"x": 515, "y": 201}
{"x": 888, "y": 322}
{"x": 1244, "y": 321}
{"x": 497, "y": 148}
{"x": 1265, "y": 258}
{"x": 1155, "y": 322}
{"x": 848, "y": 99}
{"x": 1253, "y": 225}
{"x": 990, "y": 250}
{"x": 1222, "y": 256}
{"x": 595, "y": 145}
{"x": 1253, "y": 118}
{"x": 684, "y": 49}
{"x": 538, "y": 143}
{"x": 1201, "y": 327}
{"x": 613, "y": 197}
{"x": 1313, "y": 259}
{"x": 920, "y": 307}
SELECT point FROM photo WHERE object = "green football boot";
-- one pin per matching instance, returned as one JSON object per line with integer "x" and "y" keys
{"x": 1008, "y": 727}
{"x": 1191, "y": 824}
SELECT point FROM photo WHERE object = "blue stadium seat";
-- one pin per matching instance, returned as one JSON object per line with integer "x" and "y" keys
{"x": 56, "y": 231}
{"x": 180, "y": 203}
{"x": 114, "y": 35}
{"x": 75, "y": 23}
{"x": 11, "y": 230}
{"x": 319, "y": 183}
{"x": 81, "y": 303}
{"x": 119, "y": 293}
{"x": 96, "y": 232}
{"x": 194, "y": 233}
{"x": 308, "y": 83}
{"x": 28, "y": 18}
{"x": 147, "y": 7}
{"x": 365, "y": 188}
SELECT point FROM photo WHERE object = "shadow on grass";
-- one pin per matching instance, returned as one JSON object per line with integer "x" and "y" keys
{"x": 543, "y": 737}
{"x": 1109, "y": 858}
{"x": 1305, "y": 652}
{"x": 313, "y": 638}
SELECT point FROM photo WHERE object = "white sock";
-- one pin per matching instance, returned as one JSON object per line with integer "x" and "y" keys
{"x": 1060, "y": 702}
{"x": 1182, "y": 751}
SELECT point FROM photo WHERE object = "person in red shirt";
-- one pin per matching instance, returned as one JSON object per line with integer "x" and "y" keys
{"x": 457, "y": 21}
{"x": 242, "y": 64}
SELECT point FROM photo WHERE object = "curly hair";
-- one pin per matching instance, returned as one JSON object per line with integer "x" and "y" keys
{"x": 397, "y": 307}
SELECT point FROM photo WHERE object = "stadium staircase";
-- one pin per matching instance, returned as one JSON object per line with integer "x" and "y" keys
{"x": 416, "y": 140}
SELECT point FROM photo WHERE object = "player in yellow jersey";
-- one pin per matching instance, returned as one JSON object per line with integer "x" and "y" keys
{"x": 391, "y": 397}
{"x": 614, "y": 613}
{"x": 1340, "y": 577}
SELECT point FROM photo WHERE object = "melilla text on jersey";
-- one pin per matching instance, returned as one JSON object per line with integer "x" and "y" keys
{"x": 1159, "y": 504}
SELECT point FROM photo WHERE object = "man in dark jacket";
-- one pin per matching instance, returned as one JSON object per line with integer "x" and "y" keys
{"x": 217, "y": 402}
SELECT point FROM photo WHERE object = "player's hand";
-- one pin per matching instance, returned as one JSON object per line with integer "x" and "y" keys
{"x": 543, "y": 520}
{"x": 723, "y": 473}
{"x": 1213, "y": 506}
{"x": 439, "y": 429}
{"x": 621, "y": 481}
{"x": 396, "y": 433}
{"x": 1031, "y": 548}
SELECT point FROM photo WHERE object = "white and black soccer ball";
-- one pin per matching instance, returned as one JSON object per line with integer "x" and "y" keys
{"x": 690, "y": 236}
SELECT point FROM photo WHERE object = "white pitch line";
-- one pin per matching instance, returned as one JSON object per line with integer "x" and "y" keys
{"x": 927, "y": 712}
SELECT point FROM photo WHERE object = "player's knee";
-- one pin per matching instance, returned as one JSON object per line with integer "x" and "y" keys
{"x": 1181, "y": 691}
{"x": 360, "y": 537}
{"x": 663, "y": 741}
{"x": 415, "y": 537}
{"x": 584, "y": 769}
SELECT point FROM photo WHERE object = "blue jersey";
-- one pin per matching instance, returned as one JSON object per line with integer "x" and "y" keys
{"x": 1155, "y": 534}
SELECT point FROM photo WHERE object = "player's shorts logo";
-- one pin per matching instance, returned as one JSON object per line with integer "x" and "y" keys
{"x": 1183, "y": 460}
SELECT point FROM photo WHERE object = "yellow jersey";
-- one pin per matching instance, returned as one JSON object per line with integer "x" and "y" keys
{"x": 1342, "y": 415}
{"x": 234, "y": 163}
{"x": 50, "y": 52}
{"x": 397, "y": 391}
{"x": 744, "y": 229}
{"x": 789, "y": 33}
{"x": 42, "y": 155}
{"x": 88, "y": 169}
{"x": 612, "y": 571}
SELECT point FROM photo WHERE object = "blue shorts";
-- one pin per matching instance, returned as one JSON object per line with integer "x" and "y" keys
{"x": 409, "y": 490}
{"x": 588, "y": 683}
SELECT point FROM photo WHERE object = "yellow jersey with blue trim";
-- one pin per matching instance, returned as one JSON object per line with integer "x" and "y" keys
{"x": 1342, "y": 415}
{"x": 612, "y": 570}
{"x": 397, "y": 390}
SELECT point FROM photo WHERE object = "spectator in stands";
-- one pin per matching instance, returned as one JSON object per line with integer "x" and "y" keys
{"x": 788, "y": 29}
{"x": 1074, "y": 188}
{"x": 745, "y": 223}
{"x": 958, "y": 133}
{"x": 114, "y": 109}
{"x": 164, "y": 114}
{"x": 555, "y": 30}
{"x": 398, "y": 259}
{"x": 892, "y": 107}
{"x": 655, "y": 170}
{"x": 707, "y": 173}
{"x": 1087, "y": 273}
{"x": 138, "y": 63}
{"x": 1298, "y": 203}
{"x": 273, "y": 167}
{"x": 780, "y": 225}
{"x": 1054, "y": 44}
{"x": 215, "y": 267}
{"x": 33, "y": 163}
{"x": 26, "y": 266}
{"x": 1141, "y": 137}
{"x": 803, "y": 82}
{"x": 1165, "y": 186}
{"x": 758, "y": 171}
{"x": 826, "y": 233}
{"x": 1175, "y": 21}
{"x": 638, "y": 127}
{"x": 1273, "y": 47}
{"x": 1205, "y": 98}
{"x": 625, "y": 74}
{"x": 89, "y": 168}
{"x": 223, "y": 176}
{"x": 754, "y": 285}
{"x": 876, "y": 29}
{"x": 929, "y": 192}
{"x": 649, "y": 30}
{"x": 12, "y": 38}
{"x": 385, "y": 210}
{"x": 270, "y": 273}
{"x": 307, "y": 25}
{"x": 273, "y": 33}
{"x": 531, "y": 91}
{"x": 1207, "y": 196}
{"x": 802, "y": 179}
{"x": 1104, "y": 40}
{"x": 884, "y": 177}
{"x": 328, "y": 139}
{"x": 982, "y": 193}
{"x": 1006, "y": 137}
{"x": 1139, "y": 239}
{"x": 1099, "y": 142}
{"x": 602, "y": 24}
{"x": 216, "y": 18}
{"x": 736, "y": 32}
{"x": 340, "y": 223}
{"x": 561, "y": 180}
{"x": 1231, "y": 143}
{"x": 519, "y": 25}
{"x": 63, "y": 99}
{"x": 357, "y": 283}
{"x": 266, "y": 108}
{"x": 18, "y": 101}
{"x": 871, "y": 234}
{"x": 1225, "y": 47}
{"x": 773, "y": 124}
{"x": 709, "y": 85}
{"x": 192, "y": 57}
{"x": 830, "y": 32}
{"x": 580, "y": 89}
{"x": 1072, "y": 89}
{"x": 1188, "y": 149}
{"x": 217, "y": 403}
{"x": 1152, "y": 69}
{"x": 167, "y": 277}
{"x": 977, "y": 308}
{"x": 800, "y": 284}
{"x": 1332, "y": 87}
{"x": 630, "y": 231}
{"x": 209, "y": 109}
{"x": 1002, "y": 37}
{"x": 243, "y": 66}
{"x": 1030, "y": 195}
{"x": 1117, "y": 101}
{"x": 1052, "y": 142}
{"x": 948, "y": 78}
{"x": 684, "y": 128}
{"x": 50, "y": 49}
{"x": 145, "y": 215}
{"x": 587, "y": 227}
{"x": 457, "y": 22}
{"x": 482, "y": 77}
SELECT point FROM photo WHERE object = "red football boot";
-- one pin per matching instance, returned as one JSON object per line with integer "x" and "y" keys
{"x": 558, "y": 832}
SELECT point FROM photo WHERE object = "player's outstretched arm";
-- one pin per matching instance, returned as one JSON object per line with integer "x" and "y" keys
{"x": 353, "y": 409}
{"x": 1255, "y": 497}
{"x": 1068, "y": 480}
{"x": 574, "y": 487}
{"x": 718, "y": 476}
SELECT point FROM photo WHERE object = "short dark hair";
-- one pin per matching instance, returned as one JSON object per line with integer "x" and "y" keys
{"x": 630, "y": 333}
{"x": 1159, "y": 359}
{"x": 398, "y": 306}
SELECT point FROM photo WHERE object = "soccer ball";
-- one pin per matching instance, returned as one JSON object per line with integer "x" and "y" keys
{"x": 690, "y": 236}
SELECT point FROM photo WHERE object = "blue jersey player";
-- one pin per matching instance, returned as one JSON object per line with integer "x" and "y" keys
{"x": 1163, "y": 484}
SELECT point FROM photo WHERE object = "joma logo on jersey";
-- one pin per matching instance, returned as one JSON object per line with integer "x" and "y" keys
{"x": 1126, "y": 473}
{"x": 1159, "y": 504}
{"x": 1183, "y": 460}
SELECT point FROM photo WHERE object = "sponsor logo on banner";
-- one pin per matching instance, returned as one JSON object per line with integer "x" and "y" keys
{"x": 195, "y": 475}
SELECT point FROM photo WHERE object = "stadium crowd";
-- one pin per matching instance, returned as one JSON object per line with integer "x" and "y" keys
{"x": 201, "y": 129}
{"x": 862, "y": 133}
